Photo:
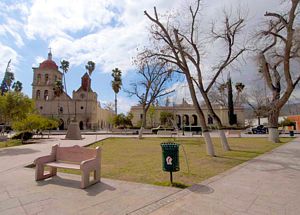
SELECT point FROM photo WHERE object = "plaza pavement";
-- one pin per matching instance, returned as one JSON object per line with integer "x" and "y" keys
{"x": 268, "y": 184}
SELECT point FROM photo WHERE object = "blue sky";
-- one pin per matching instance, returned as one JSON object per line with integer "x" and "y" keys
{"x": 107, "y": 32}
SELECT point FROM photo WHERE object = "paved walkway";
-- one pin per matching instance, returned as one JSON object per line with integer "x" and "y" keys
{"x": 266, "y": 185}
{"x": 269, "y": 184}
{"x": 20, "y": 194}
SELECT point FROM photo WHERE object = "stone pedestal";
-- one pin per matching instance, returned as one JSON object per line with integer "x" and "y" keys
{"x": 73, "y": 132}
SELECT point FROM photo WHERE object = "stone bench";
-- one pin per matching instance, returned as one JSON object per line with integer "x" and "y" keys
{"x": 75, "y": 157}
{"x": 233, "y": 133}
{"x": 167, "y": 132}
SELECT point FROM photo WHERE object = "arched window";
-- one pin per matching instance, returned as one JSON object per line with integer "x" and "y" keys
{"x": 46, "y": 96}
{"x": 46, "y": 78}
{"x": 55, "y": 78}
{"x": 38, "y": 94}
{"x": 38, "y": 78}
{"x": 210, "y": 120}
{"x": 61, "y": 110}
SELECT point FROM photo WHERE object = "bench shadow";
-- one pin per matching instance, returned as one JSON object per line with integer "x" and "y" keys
{"x": 200, "y": 188}
{"x": 16, "y": 151}
{"x": 92, "y": 190}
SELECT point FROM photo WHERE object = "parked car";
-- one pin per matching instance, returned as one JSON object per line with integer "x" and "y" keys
{"x": 261, "y": 129}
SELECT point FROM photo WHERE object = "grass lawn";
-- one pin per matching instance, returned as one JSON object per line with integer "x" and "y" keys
{"x": 10, "y": 143}
{"x": 131, "y": 159}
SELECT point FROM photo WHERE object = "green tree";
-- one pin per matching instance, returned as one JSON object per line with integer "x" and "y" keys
{"x": 8, "y": 79}
{"x": 17, "y": 86}
{"x": 122, "y": 121}
{"x": 90, "y": 67}
{"x": 166, "y": 118}
{"x": 15, "y": 106}
{"x": 116, "y": 85}
{"x": 58, "y": 89}
{"x": 151, "y": 112}
{"x": 35, "y": 122}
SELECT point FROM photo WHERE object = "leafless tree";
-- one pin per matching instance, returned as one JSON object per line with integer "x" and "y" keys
{"x": 181, "y": 47}
{"x": 277, "y": 59}
{"x": 258, "y": 101}
{"x": 154, "y": 75}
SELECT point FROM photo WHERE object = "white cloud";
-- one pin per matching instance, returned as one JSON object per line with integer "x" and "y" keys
{"x": 37, "y": 61}
{"x": 107, "y": 32}
{"x": 7, "y": 53}
{"x": 53, "y": 18}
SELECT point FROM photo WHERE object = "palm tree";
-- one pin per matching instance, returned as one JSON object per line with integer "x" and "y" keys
{"x": 116, "y": 84}
{"x": 17, "y": 86}
{"x": 90, "y": 67}
{"x": 58, "y": 89}
{"x": 65, "y": 67}
{"x": 239, "y": 86}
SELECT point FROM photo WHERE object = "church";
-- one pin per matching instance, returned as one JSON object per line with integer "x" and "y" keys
{"x": 82, "y": 106}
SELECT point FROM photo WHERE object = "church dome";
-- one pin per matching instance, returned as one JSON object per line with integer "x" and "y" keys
{"x": 49, "y": 63}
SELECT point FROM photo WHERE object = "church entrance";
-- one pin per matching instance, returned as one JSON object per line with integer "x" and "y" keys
{"x": 61, "y": 124}
{"x": 81, "y": 125}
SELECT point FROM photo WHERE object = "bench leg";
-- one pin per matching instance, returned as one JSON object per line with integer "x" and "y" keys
{"x": 39, "y": 172}
{"x": 53, "y": 171}
{"x": 97, "y": 175}
{"x": 85, "y": 178}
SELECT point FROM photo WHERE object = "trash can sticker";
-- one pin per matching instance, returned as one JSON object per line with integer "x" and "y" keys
{"x": 169, "y": 160}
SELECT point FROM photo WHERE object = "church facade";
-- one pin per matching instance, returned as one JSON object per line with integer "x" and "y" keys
{"x": 82, "y": 106}
{"x": 185, "y": 115}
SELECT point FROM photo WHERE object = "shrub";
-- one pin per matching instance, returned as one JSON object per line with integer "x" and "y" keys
{"x": 25, "y": 135}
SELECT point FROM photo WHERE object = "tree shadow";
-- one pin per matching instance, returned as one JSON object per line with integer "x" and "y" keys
{"x": 16, "y": 151}
{"x": 92, "y": 190}
{"x": 244, "y": 151}
{"x": 200, "y": 188}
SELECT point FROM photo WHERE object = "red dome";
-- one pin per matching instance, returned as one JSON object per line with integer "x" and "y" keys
{"x": 48, "y": 64}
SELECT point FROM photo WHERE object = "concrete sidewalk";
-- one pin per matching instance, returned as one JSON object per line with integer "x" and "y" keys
{"x": 266, "y": 185}
{"x": 20, "y": 194}
{"x": 14, "y": 157}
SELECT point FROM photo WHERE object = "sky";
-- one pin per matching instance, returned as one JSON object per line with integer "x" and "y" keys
{"x": 108, "y": 32}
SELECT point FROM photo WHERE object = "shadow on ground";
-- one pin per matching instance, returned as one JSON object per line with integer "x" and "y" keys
{"x": 200, "y": 188}
{"x": 16, "y": 151}
{"x": 64, "y": 182}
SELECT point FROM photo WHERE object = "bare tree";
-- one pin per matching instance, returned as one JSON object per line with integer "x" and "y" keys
{"x": 258, "y": 102}
{"x": 154, "y": 76}
{"x": 181, "y": 47}
{"x": 276, "y": 58}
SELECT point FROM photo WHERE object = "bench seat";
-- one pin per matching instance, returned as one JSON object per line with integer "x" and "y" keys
{"x": 75, "y": 157}
{"x": 63, "y": 165}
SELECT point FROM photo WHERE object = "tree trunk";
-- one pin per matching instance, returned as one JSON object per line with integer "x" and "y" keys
{"x": 258, "y": 119}
{"x": 273, "y": 126}
{"x": 116, "y": 103}
{"x": 209, "y": 146}
{"x": 224, "y": 141}
{"x": 141, "y": 132}
{"x": 223, "y": 137}
{"x": 67, "y": 98}
{"x": 144, "y": 120}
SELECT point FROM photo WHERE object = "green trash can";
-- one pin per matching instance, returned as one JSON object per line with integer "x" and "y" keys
{"x": 170, "y": 157}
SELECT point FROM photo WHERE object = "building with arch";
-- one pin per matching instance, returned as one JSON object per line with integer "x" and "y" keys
{"x": 185, "y": 115}
{"x": 83, "y": 105}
